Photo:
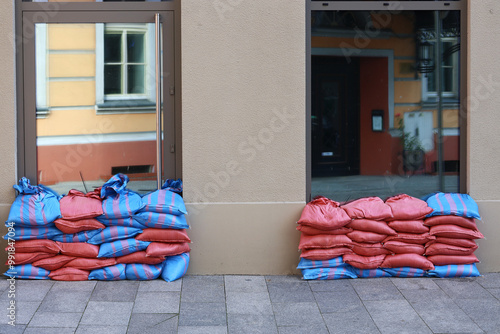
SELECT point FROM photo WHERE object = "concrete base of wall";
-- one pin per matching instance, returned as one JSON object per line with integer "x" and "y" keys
{"x": 489, "y": 248}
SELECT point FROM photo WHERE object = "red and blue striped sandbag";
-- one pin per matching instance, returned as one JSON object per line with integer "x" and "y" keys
{"x": 30, "y": 233}
{"x": 111, "y": 273}
{"x": 175, "y": 267}
{"x": 27, "y": 271}
{"x": 35, "y": 205}
{"x": 370, "y": 273}
{"x": 405, "y": 272}
{"x": 454, "y": 270}
{"x": 128, "y": 222}
{"x": 343, "y": 271}
{"x": 452, "y": 204}
{"x": 83, "y": 236}
{"x": 164, "y": 201}
{"x": 142, "y": 272}
{"x": 113, "y": 233}
{"x": 121, "y": 205}
{"x": 311, "y": 264}
{"x": 161, "y": 220}
{"x": 173, "y": 185}
{"x": 122, "y": 247}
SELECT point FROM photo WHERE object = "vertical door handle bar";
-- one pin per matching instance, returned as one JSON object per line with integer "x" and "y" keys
{"x": 158, "y": 101}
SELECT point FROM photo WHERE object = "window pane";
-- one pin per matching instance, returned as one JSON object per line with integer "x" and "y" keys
{"x": 112, "y": 48}
{"x": 112, "y": 79}
{"x": 135, "y": 80}
{"x": 135, "y": 48}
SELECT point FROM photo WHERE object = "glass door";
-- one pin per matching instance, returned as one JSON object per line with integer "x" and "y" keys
{"x": 99, "y": 98}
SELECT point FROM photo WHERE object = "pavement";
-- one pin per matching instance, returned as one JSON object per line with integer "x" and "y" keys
{"x": 254, "y": 304}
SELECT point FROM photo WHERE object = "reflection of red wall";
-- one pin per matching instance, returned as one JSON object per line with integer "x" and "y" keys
{"x": 451, "y": 152}
{"x": 375, "y": 147}
{"x": 65, "y": 162}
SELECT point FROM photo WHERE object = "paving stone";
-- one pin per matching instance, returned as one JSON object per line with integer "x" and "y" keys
{"x": 316, "y": 329}
{"x": 495, "y": 292}
{"x": 83, "y": 286}
{"x": 355, "y": 321}
{"x": 141, "y": 323}
{"x": 284, "y": 279}
{"x": 48, "y": 330}
{"x": 115, "y": 291}
{"x": 202, "y": 314}
{"x": 337, "y": 301}
{"x": 202, "y": 330}
{"x": 484, "y": 313}
{"x": 376, "y": 289}
{"x": 330, "y": 285}
{"x": 395, "y": 316}
{"x": 489, "y": 280}
{"x": 157, "y": 302}
{"x": 420, "y": 283}
{"x": 297, "y": 314}
{"x": 463, "y": 288}
{"x": 248, "y": 303}
{"x": 65, "y": 301}
{"x": 196, "y": 289}
{"x": 50, "y": 319}
{"x": 25, "y": 311}
{"x": 88, "y": 329}
{"x": 251, "y": 323}
{"x": 290, "y": 292}
{"x": 107, "y": 313}
{"x": 8, "y": 329}
{"x": 29, "y": 290}
{"x": 160, "y": 285}
{"x": 245, "y": 283}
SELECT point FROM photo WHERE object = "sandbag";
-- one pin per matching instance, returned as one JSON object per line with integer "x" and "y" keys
{"x": 163, "y": 235}
{"x": 111, "y": 273}
{"x": 451, "y": 220}
{"x": 34, "y": 206}
{"x": 25, "y": 258}
{"x": 321, "y": 254}
{"x": 407, "y": 260}
{"x": 374, "y": 226}
{"x": 454, "y": 231}
{"x": 366, "y": 249}
{"x": 443, "y": 260}
{"x": 31, "y": 246}
{"x": 445, "y": 249}
{"x": 323, "y": 214}
{"x": 173, "y": 185}
{"x": 369, "y": 208}
{"x": 175, "y": 267}
{"x": 141, "y": 272}
{"x": 164, "y": 249}
{"x": 467, "y": 243}
{"x": 411, "y": 238}
{"x": 77, "y": 205}
{"x": 324, "y": 241}
{"x": 53, "y": 263}
{"x": 366, "y": 237}
{"x": 121, "y": 205}
{"x": 409, "y": 226}
{"x": 371, "y": 273}
{"x": 113, "y": 233}
{"x": 399, "y": 247}
{"x": 161, "y": 220}
{"x": 69, "y": 274}
{"x": 127, "y": 222}
{"x": 454, "y": 270}
{"x": 78, "y": 249}
{"x": 314, "y": 231}
{"x": 31, "y": 233}
{"x": 164, "y": 201}
{"x": 405, "y": 207}
{"x": 75, "y": 226}
{"x": 344, "y": 271}
{"x": 90, "y": 264}
{"x": 140, "y": 257}
{"x": 27, "y": 271}
{"x": 83, "y": 236}
{"x": 364, "y": 262}
{"x": 310, "y": 264}
{"x": 452, "y": 204}
{"x": 405, "y": 272}
{"x": 121, "y": 247}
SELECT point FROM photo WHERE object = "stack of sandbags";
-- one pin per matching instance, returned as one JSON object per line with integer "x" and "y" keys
{"x": 452, "y": 224}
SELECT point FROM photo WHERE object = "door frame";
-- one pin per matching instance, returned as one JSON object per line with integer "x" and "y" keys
{"x": 29, "y": 13}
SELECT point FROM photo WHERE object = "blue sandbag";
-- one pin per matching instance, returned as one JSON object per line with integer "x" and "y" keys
{"x": 311, "y": 264}
{"x": 83, "y": 236}
{"x": 452, "y": 204}
{"x": 343, "y": 271}
{"x": 113, "y": 233}
{"x": 405, "y": 272}
{"x": 122, "y": 247}
{"x": 164, "y": 201}
{"x": 161, "y": 220}
{"x": 371, "y": 273}
{"x": 142, "y": 272}
{"x": 111, "y": 273}
{"x": 128, "y": 222}
{"x": 173, "y": 185}
{"x": 30, "y": 233}
{"x": 121, "y": 205}
{"x": 35, "y": 205}
{"x": 454, "y": 270}
{"x": 175, "y": 267}
{"x": 27, "y": 271}
{"x": 117, "y": 184}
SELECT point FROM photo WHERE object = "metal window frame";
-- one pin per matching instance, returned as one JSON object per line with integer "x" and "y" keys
{"x": 395, "y": 6}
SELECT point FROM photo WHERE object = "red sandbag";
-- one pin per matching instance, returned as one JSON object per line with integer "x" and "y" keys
{"x": 409, "y": 226}
{"x": 368, "y": 225}
{"x": 24, "y": 258}
{"x": 163, "y": 235}
{"x": 75, "y": 226}
{"x": 407, "y": 260}
{"x": 39, "y": 245}
{"x": 454, "y": 231}
{"x": 322, "y": 254}
{"x": 365, "y": 249}
{"x": 163, "y": 249}
{"x": 443, "y": 260}
{"x": 411, "y": 238}
{"x": 77, "y": 205}
{"x": 364, "y": 262}
{"x": 314, "y": 231}
{"x": 140, "y": 257}
{"x": 451, "y": 220}
{"x": 69, "y": 274}
{"x": 78, "y": 249}
{"x": 444, "y": 249}
{"x": 399, "y": 247}
{"x": 369, "y": 208}
{"x": 366, "y": 237}
{"x": 324, "y": 214}
{"x": 90, "y": 264}
{"x": 53, "y": 263}
{"x": 324, "y": 241}
{"x": 405, "y": 207}
{"x": 467, "y": 243}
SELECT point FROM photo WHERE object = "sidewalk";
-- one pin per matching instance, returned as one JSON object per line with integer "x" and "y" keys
{"x": 256, "y": 304}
